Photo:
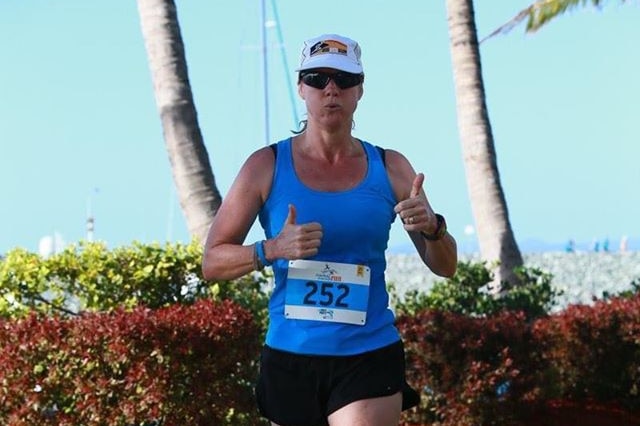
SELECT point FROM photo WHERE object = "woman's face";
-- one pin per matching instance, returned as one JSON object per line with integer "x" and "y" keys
{"x": 331, "y": 105}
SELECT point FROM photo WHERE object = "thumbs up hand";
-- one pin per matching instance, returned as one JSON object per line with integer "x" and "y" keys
{"x": 416, "y": 186}
{"x": 291, "y": 216}
{"x": 297, "y": 241}
{"x": 416, "y": 212}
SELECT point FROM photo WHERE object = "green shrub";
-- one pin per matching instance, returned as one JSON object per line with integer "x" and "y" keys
{"x": 466, "y": 293}
{"x": 89, "y": 277}
{"x": 631, "y": 292}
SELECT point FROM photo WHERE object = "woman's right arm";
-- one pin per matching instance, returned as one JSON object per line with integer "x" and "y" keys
{"x": 225, "y": 257}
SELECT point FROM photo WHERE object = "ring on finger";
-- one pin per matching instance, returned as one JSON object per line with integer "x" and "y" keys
{"x": 410, "y": 220}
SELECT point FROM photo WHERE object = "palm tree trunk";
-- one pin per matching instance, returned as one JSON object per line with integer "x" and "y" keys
{"x": 192, "y": 174}
{"x": 489, "y": 207}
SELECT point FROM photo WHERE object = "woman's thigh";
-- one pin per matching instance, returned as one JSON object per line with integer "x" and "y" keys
{"x": 382, "y": 411}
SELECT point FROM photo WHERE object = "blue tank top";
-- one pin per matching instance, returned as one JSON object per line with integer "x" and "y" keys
{"x": 355, "y": 225}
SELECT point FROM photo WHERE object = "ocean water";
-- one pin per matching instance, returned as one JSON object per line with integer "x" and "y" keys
{"x": 582, "y": 275}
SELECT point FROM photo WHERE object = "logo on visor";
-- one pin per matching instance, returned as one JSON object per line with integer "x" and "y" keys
{"x": 328, "y": 46}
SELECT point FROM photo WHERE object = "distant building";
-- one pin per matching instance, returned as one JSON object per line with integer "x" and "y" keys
{"x": 624, "y": 241}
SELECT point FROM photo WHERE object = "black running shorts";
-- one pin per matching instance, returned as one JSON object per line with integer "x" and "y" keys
{"x": 303, "y": 390}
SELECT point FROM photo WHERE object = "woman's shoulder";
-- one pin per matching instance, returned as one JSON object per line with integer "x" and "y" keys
{"x": 394, "y": 158}
{"x": 400, "y": 171}
{"x": 261, "y": 162}
{"x": 258, "y": 165}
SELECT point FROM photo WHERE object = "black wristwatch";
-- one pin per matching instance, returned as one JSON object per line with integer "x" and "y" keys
{"x": 441, "y": 229}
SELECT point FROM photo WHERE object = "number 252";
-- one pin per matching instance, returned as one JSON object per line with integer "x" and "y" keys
{"x": 325, "y": 291}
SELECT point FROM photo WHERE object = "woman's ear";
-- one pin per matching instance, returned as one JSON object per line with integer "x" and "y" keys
{"x": 300, "y": 92}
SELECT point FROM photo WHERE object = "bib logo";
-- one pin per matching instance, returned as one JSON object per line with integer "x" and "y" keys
{"x": 328, "y": 46}
{"x": 328, "y": 274}
{"x": 328, "y": 270}
{"x": 326, "y": 314}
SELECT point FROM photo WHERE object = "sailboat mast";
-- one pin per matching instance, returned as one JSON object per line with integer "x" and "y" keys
{"x": 285, "y": 65}
{"x": 265, "y": 79}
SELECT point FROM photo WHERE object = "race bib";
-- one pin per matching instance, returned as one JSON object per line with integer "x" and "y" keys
{"x": 327, "y": 291}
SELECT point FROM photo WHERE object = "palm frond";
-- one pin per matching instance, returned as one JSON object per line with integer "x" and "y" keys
{"x": 540, "y": 13}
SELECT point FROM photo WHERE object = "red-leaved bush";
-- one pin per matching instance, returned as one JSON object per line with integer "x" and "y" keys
{"x": 575, "y": 367}
{"x": 470, "y": 370}
{"x": 197, "y": 364}
{"x": 594, "y": 352}
{"x": 179, "y": 365}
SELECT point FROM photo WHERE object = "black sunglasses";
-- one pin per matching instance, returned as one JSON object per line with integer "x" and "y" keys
{"x": 320, "y": 80}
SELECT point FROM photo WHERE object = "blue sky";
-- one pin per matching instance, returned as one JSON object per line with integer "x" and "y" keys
{"x": 79, "y": 128}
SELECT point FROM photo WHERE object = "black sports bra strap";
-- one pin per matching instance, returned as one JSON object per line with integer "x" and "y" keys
{"x": 382, "y": 155}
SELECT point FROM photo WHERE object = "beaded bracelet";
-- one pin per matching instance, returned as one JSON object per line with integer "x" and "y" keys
{"x": 257, "y": 266}
{"x": 260, "y": 253}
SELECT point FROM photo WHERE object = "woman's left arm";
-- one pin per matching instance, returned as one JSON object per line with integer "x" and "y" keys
{"x": 427, "y": 230}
